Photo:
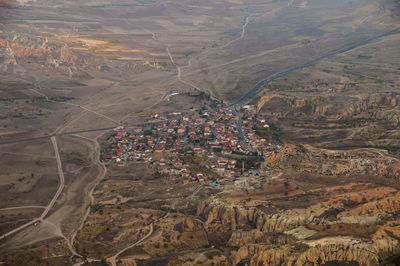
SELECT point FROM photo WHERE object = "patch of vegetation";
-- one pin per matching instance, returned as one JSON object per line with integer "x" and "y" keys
{"x": 249, "y": 162}
{"x": 61, "y": 98}
{"x": 231, "y": 32}
{"x": 189, "y": 53}
{"x": 5, "y": 100}
{"x": 279, "y": 87}
{"x": 394, "y": 260}
{"x": 16, "y": 86}
{"x": 362, "y": 56}
{"x": 196, "y": 163}
{"x": 75, "y": 158}
{"x": 41, "y": 163}
{"x": 77, "y": 83}
{"x": 262, "y": 132}
{"x": 276, "y": 131}
{"x": 330, "y": 214}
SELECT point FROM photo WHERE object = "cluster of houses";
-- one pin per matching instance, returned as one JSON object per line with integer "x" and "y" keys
{"x": 127, "y": 145}
{"x": 212, "y": 135}
{"x": 258, "y": 143}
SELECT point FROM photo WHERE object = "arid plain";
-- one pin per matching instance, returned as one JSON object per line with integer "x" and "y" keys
{"x": 308, "y": 92}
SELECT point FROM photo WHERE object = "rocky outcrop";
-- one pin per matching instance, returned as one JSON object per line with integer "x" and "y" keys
{"x": 329, "y": 250}
{"x": 319, "y": 252}
{"x": 246, "y": 218}
{"x": 344, "y": 227}
{"x": 241, "y": 238}
{"x": 373, "y": 106}
{"x": 386, "y": 206}
{"x": 8, "y": 60}
{"x": 262, "y": 255}
{"x": 387, "y": 239}
{"x": 24, "y": 49}
{"x": 338, "y": 249}
{"x": 307, "y": 159}
{"x": 59, "y": 54}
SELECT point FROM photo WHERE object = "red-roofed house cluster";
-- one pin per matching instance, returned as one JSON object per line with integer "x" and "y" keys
{"x": 193, "y": 145}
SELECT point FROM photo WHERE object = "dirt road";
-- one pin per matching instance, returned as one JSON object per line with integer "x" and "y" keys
{"x": 53, "y": 200}
{"x": 91, "y": 187}
{"x": 112, "y": 259}
{"x": 22, "y": 207}
{"x": 80, "y": 106}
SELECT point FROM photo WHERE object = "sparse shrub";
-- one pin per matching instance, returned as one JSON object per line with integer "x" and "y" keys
{"x": 209, "y": 256}
{"x": 286, "y": 183}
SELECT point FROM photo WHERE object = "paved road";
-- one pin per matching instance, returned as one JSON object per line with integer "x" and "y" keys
{"x": 185, "y": 138}
{"x": 126, "y": 155}
{"x": 243, "y": 141}
{"x": 311, "y": 62}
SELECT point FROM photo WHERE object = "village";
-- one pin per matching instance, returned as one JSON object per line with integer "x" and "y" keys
{"x": 201, "y": 145}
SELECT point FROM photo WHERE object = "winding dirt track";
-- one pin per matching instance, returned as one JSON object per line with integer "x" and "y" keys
{"x": 80, "y": 106}
{"x": 179, "y": 68}
{"x": 23, "y": 207}
{"x": 60, "y": 174}
{"x": 91, "y": 187}
{"x": 53, "y": 200}
{"x": 112, "y": 259}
